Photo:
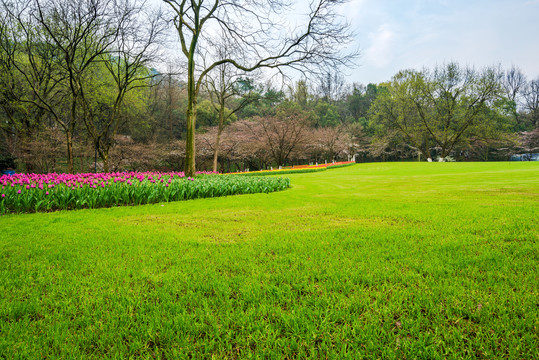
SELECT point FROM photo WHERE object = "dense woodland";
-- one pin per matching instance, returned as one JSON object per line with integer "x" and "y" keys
{"x": 84, "y": 95}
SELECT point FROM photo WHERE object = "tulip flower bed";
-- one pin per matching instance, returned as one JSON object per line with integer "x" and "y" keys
{"x": 297, "y": 169}
{"x": 25, "y": 193}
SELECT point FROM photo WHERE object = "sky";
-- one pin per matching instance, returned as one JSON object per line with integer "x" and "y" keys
{"x": 393, "y": 35}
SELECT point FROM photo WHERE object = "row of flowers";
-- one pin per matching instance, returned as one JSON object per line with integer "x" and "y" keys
{"x": 90, "y": 179}
{"x": 298, "y": 168}
{"x": 23, "y": 193}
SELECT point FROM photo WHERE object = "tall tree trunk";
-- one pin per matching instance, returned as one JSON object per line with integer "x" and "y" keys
{"x": 425, "y": 149}
{"x": 70, "y": 129}
{"x": 216, "y": 153}
{"x": 105, "y": 158}
{"x": 103, "y": 153}
{"x": 444, "y": 154}
{"x": 69, "y": 140}
{"x": 218, "y": 138}
{"x": 190, "y": 150}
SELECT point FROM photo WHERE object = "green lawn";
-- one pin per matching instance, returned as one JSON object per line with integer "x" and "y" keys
{"x": 415, "y": 260}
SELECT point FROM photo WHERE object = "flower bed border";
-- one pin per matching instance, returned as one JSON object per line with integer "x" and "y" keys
{"x": 34, "y": 194}
{"x": 296, "y": 169}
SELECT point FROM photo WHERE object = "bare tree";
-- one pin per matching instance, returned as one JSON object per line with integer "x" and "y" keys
{"x": 282, "y": 135}
{"x": 67, "y": 36}
{"x": 531, "y": 100}
{"x": 396, "y": 110}
{"x": 332, "y": 86}
{"x": 246, "y": 143}
{"x": 171, "y": 91}
{"x": 31, "y": 78}
{"x": 439, "y": 107}
{"x": 299, "y": 93}
{"x": 128, "y": 62}
{"x": 223, "y": 90}
{"x": 166, "y": 104}
{"x": 256, "y": 28}
{"x": 514, "y": 82}
{"x": 329, "y": 143}
{"x": 240, "y": 144}
{"x": 65, "y": 47}
{"x": 225, "y": 84}
{"x": 81, "y": 31}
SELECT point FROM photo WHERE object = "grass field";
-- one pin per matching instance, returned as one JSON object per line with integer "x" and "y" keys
{"x": 402, "y": 260}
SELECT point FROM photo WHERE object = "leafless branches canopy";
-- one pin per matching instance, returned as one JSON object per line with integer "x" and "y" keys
{"x": 513, "y": 83}
{"x": 60, "y": 46}
{"x": 439, "y": 105}
{"x": 262, "y": 35}
{"x": 531, "y": 100}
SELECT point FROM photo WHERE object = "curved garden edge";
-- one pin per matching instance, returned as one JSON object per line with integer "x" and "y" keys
{"x": 34, "y": 193}
{"x": 297, "y": 169}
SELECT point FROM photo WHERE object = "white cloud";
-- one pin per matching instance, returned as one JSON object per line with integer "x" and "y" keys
{"x": 395, "y": 35}
{"x": 380, "y": 53}
{"x": 353, "y": 9}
